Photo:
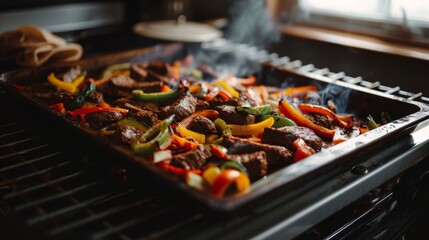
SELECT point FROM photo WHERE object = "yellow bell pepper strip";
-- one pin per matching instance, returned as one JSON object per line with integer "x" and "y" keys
{"x": 59, "y": 107}
{"x": 290, "y": 112}
{"x": 115, "y": 68}
{"x": 371, "y": 123}
{"x": 298, "y": 90}
{"x": 158, "y": 96}
{"x": 222, "y": 127}
{"x": 228, "y": 177}
{"x": 210, "y": 174}
{"x": 80, "y": 98}
{"x": 227, "y": 88}
{"x": 251, "y": 129}
{"x": 342, "y": 120}
{"x": 81, "y": 112}
{"x": 302, "y": 150}
{"x": 70, "y": 87}
{"x": 257, "y": 111}
{"x": 157, "y": 137}
{"x": 210, "y": 114}
{"x": 279, "y": 121}
{"x": 178, "y": 171}
{"x": 184, "y": 143}
{"x": 201, "y": 138}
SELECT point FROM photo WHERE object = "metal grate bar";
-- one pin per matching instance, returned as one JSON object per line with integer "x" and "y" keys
{"x": 78, "y": 206}
{"x": 28, "y": 162}
{"x": 13, "y": 133}
{"x": 17, "y": 142}
{"x": 40, "y": 172}
{"x": 54, "y": 197}
{"x": 49, "y": 183}
{"x": 9, "y": 124}
{"x": 175, "y": 227}
{"x": 99, "y": 216}
{"x": 22, "y": 152}
{"x": 125, "y": 225}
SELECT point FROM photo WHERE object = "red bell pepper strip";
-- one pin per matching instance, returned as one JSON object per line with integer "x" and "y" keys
{"x": 219, "y": 151}
{"x": 302, "y": 150}
{"x": 342, "y": 120}
{"x": 228, "y": 177}
{"x": 247, "y": 82}
{"x": 178, "y": 171}
{"x": 224, "y": 95}
{"x": 17, "y": 87}
{"x": 59, "y": 107}
{"x": 81, "y": 112}
{"x": 290, "y": 112}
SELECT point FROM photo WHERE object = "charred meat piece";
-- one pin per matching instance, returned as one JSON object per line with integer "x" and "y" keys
{"x": 320, "y": 119}
{"x": 99, "y": 119}
{"x": 147, "y": 117}
{"x": 276, "y": 155}
{"x": 246, "y": 100}
{"x": 70, "y": 74}
{"x": 182, "y": 107}
{"x": 130, "y": 101}
{"x": 138, "y": 73}
{"x": 127, "y": 134}
{"x": 255, "y": 163}
{"x": 192, "y": 159}
{"x": 201, "y": 105}
{"x": 95, "y": 97}
{"x": 285, "y": 137}
{"x": 159, "y": 67}
{"x": 48, "y": 94}
{"x": 203, "y": 125}
{"x": 229, "y": 115}
{"x": 122, "y": 86}
{"x": 217, "y": 101}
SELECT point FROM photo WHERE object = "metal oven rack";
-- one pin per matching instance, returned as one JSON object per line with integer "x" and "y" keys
{"x": 54, "y": 186}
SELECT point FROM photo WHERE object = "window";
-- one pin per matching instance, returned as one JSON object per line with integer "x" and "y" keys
{"x": 399, "y": 19}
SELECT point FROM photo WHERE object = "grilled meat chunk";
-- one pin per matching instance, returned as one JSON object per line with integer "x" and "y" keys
{"x": 320, "y": 119}
{"x": 182, "y": 107}
{"x": 99, "y": 119}
{"x": 276, "y": 155}
{"x": 203, "y": 125}
{"x": 201, "y": 105}
{"x": 231, "y": 116}
{"x": 217, "y": 101}
{"x": 246, "y": 100}
{"x": 255, "y": 163}
{"x": 127, "y": 134}
{"x": 147, "y": 117}
{"x": 138, "y": 73}
{"x": 122, "y": 86}
{"x": 192, "y": 159}
{"x": 285, "y": 137}
{"x": 149, "y": 106}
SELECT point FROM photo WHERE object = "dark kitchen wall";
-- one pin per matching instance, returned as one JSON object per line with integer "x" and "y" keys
{"x": 410, "y": 74}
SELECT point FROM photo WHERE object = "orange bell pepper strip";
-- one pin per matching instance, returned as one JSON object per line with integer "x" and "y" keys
{"x": 290, "y": 112}
{"x": 59, "y": 107}
{"x": 228, "y": 177}
{"x": 342, "y": 120}
{"x": 296, "y": 90}
{"x": 184, "y": 143}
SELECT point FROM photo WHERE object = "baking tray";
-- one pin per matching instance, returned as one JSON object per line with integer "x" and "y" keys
{"x": 408, "y": 115}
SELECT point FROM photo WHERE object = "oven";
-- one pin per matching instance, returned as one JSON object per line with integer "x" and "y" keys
{"x": 56, "y": 185}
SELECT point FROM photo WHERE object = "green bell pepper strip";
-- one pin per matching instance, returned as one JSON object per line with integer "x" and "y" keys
{"x": 133, "y": 123}
{"x": 233, "y": 165}
{"x": 80, "y": 99}
{"x": 116, "y": 67}
{"x": 258, "y": 111}
{"x": 279, "y": 121}
{"x": 371, "y": 123}
{"x": 158, "y": 96}
{"x": 153, "y": 138}
{"x": 223, "y": 127}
